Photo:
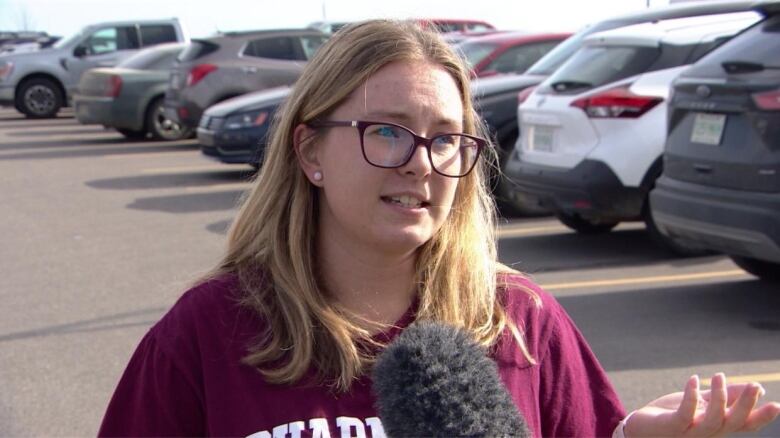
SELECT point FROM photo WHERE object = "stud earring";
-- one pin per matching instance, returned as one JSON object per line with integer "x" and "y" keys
{"x": 317, "y": 175}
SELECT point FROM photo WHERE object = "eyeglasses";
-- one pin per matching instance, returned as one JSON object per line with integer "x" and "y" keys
{"x": 390, "y": 146}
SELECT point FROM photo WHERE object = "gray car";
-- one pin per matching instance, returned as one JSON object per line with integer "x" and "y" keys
{"x": 129, "y": 97}
{"x": 39, "y": 83}
{"x": 215, "y": 69}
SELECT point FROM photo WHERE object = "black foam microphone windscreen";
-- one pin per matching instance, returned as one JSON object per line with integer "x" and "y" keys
{"x": 435, "y": 380}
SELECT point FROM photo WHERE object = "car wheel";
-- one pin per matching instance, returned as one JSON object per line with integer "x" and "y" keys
{"x": 132, "y": 134}
{"x": 39, "y": 98}
{"x": 163, "y": 128}
{"x": 667, "y": 242}
{"x": 764, "y": 270}
{"x": 584, "y": 226}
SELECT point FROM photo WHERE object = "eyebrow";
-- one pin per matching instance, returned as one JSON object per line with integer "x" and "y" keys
{"x": 403, "y": 118}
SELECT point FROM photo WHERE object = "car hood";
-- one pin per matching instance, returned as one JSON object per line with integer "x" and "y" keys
{"x": 248, "y": 102}
{"x": 23, "y": 56}
{"x": 484, "y": 87}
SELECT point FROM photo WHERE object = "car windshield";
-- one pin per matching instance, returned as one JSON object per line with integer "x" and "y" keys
{"x": 148, "y": 59}
{"x": 474, "y": 53}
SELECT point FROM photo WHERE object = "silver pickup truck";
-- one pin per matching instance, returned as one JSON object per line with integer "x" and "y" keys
{"x": 39, "y": 83}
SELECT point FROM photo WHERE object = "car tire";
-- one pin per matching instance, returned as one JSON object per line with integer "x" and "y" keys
{"x": 764, "y": 270}
{"x": 666, "y": 242}
{"x": 584, "y": 226}
{"x": 161, "y": 127}
{"x": 132, "y": 134}
{"x": 39, "y": 98}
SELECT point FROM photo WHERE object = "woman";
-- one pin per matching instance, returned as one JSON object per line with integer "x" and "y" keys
{"x": 372, "y": 211}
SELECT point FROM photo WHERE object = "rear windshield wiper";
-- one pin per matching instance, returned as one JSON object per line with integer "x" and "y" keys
{"x": 737, "y": 67}
{"x": 570, "y": 85}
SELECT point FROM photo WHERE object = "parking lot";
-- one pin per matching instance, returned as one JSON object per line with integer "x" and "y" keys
{"x": 100, "y": 235}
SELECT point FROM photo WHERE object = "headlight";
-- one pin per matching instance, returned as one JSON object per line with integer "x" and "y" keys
{"x": 6, "y": 67}
{"x": 246, "y": 120}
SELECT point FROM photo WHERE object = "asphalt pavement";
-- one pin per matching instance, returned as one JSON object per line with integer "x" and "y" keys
{"x": 100, "y": 235}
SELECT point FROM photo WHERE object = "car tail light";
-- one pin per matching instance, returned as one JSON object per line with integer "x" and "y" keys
{"x": 768, "y": 100}
{"x": 113, "y": 86}
{"x": 522, "y": 96}
{"x": 199, "y": 72}
{"x": 618, "y": 103}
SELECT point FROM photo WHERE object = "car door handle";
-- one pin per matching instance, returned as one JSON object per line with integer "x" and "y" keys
{"x": 249, "y": 69}
{"x": 702, "y": 168}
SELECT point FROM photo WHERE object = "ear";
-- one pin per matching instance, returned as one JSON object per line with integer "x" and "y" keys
{"x": 307, "y": 151}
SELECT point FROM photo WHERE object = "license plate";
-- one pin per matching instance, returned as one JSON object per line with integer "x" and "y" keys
{"x": 708, "y": 128}
{"x": 542, "y": 138}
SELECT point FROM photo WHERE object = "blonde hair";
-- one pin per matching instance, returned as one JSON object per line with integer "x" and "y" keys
{"x": 271, "y": 242}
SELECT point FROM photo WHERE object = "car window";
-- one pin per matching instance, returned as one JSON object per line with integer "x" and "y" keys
{"x": 593, "y": 66}
{"x": 477, "y": 27}
{"x": 151, "y": 60}
{"x": 111, "y": 39}
{"x": 448, "y": 27}
{"x": 197, "y": 49}
{"x": 759, "y": 44}
{"x": 517, "y": 59}
{"x": 474, "y": 52}
{"x": 152, "y": 34}
{"x": 311, "y": 43}
{"x": 274, "y": 48}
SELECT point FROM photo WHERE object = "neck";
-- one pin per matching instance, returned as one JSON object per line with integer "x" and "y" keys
{"x": 374, "y": 287}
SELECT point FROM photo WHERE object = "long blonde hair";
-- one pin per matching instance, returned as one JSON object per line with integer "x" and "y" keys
{"x": 271, "y": 242}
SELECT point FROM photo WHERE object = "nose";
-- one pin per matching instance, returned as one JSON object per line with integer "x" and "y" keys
{"x": 419, "y": 164}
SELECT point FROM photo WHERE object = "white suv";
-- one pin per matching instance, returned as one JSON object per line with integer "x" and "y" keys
{"x": 592, "y": 135}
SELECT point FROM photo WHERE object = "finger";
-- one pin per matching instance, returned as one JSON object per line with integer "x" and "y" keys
{"x": 738, "y": 414}
{"x": 761, "y": 417}
{"x": 690, "y": 401}
{"x": 734, "y": 391}
{"x": 715, "y": 414}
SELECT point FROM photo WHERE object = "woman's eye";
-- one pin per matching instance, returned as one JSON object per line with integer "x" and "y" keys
{"x": 387, "y": 131}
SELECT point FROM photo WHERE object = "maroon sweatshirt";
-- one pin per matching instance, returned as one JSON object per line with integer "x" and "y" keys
{"x": 186, "y": 378}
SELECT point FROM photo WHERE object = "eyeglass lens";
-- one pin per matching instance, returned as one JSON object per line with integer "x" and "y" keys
{"x": 391, "y": 146}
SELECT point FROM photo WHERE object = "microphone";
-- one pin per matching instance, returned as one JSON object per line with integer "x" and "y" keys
{"x": 434, "y": 380}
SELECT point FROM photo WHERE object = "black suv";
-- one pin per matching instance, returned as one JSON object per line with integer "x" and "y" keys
{"x": 720, "y": 187}
{"x": 215, "y": 69}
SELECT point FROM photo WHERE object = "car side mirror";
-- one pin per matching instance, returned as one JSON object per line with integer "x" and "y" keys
{"x": 80, "y": 51}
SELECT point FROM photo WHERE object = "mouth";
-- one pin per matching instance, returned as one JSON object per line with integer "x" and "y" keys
{"x": 405, "y": 201}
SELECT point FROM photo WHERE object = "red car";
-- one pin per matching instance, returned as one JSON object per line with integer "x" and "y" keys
{"x": 507, "y": 52}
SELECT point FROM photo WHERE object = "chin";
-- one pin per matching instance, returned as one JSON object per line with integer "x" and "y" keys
{"x": 404, "y": 241}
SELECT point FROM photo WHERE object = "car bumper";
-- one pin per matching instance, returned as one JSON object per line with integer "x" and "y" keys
{"x": 731, "y": 221}
{"x": 6, "y": 95}
{"x": 106, "y": 111}
{"x": 240, "y": 146}
{"x": 590, "y": 189}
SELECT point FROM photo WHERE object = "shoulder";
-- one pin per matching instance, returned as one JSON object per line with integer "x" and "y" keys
{"x": 208, "y": 311}
{"x": 535, "y": 312}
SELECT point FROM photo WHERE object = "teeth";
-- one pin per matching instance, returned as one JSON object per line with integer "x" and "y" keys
{"x": 406, "y": 201}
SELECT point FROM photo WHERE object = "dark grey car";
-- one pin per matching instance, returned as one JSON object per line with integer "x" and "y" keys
{"x": 215, "y": 69}
{"x": 720, "y": 187}
{"x": 129, "y": 97}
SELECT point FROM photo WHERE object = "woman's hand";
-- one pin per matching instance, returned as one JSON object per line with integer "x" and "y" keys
{"x": 720, "y": 411}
